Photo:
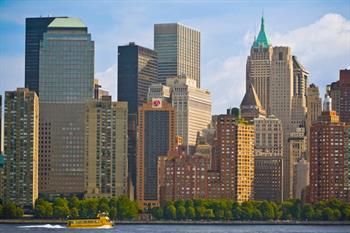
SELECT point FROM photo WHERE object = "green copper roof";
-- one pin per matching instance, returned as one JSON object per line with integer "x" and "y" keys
{"x": 67, "y": 23}
{"x": 262, "y": 38}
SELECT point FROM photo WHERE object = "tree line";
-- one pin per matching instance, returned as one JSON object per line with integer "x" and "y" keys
{"x": 332, "y": 210}
{"x": 117, "y": 208}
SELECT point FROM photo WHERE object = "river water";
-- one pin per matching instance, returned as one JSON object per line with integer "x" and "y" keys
{"x": 4, "y": 228}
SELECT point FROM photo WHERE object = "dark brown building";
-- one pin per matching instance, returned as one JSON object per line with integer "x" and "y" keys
{"x": 329, "y": 158}
{"x": 339, "y": 91}
{"x": 156, "y": 136}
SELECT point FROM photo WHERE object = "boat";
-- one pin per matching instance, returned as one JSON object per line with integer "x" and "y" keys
{"x": 102, "y": 221}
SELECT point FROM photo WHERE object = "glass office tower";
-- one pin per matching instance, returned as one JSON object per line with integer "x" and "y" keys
{"x": 178, "y": 50}
{"x": 66, "y": 85}
{"x": 35, "y": 29}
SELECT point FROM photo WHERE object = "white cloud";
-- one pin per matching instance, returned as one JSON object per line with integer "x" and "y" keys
{"x": 108, "y": 80}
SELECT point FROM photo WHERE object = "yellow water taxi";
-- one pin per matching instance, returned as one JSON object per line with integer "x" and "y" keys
{"x": 102, "y": 221}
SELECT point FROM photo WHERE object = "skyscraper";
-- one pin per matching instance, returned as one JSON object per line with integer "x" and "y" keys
{"x": 340, "y": 93}
{"x": 234, "y": 146}
{"x": 297, "y": 151}
{"x": 250, "y": 106}
{"x": 192, "y": 106}
{"x": 300, "y": 78}
{"x": 21, "y": 147}
{"x": 329, "y": 157}
{"x": 314, "y": 106}
{"x": 258, "y": 67}
{"x": 106, "y": 143}
{"x": 35, "y": 29}
{"x": 137, "y": 70}
{"x": 156, "y": 136}
{"x": 178, "y": 50}
{"x": 66, "y": 85}
{"x": 268, "y": 159}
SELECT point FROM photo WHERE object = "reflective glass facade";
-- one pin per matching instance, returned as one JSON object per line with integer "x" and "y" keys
{"x": 66, "y": 66}
{"x": 35, "y": 29}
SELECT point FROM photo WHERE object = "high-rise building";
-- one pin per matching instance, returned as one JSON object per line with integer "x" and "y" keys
{"x": 192, "y": 176}
{"x": 340, "y": 93}
{"x": 297, "y": 151}
{"x": 35, "y": 29}
{"x": 21, "y": 147}
{"x": 193, "y": 108}
{"x": 268, "y": 159}
{"x": 302, "y": 178}
{"x": 98, "y": 91}
{"x": 299, "y": 109}
{"x": 178, "y": 50}
{"x": 314, "y": 106}
{"x": 258, "y": 71}
{"x": 250, "y": 106}
{"x": 66, "y": 85}
{"x": 137, "y": 70}
{"x": 156, "y": 136}
{"x": 192, "y": 104}
{"x": 234, "y": 146}
{"x": 106, "y": 143}
{"x": 329, "y": 157}
{"x": 2, "y": 167}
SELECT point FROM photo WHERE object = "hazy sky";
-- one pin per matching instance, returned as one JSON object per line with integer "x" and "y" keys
{"x": 317, "y": 31}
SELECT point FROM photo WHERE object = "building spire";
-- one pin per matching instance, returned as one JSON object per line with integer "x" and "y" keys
{"x": 262, "y": 40}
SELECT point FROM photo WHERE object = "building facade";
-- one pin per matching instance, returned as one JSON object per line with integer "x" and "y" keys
{"x": 340, "y": 93}
{"x": 297, "y": 151}
{"x": 35, "y": 29}
{"x": 66, "y": 85}
{"x": 21, "y": 147}
{"x": 0, "y": 123}
{"x": 329, "y": 157}
{"x": 106, "y": 143}
{"x": 137, "y": 70}
{"x": 314, "y": 106}
{"x": 258, "y": 68}
{"x": 156, "y": 136}
{"x": 178, "y": 49}
{"x": 302, "y": 179}
{"x": 268, "y": 159}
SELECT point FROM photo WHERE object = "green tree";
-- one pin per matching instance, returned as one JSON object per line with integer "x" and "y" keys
{"x": 181, "y": 212}
{"x": 103, "y": 205}
{"x": 126, "y": 209}
{"x": 10, "y": 210}
{"x": 327, "y": 214}
{"x": 113, "y": 213}
{"x": 346, "y": 213}
{"x": 1, "y": 211}
{"x": 60, "y": 208}
{"x": 257, "y": 215}
{"x": 191, "y": 213}
{"x": 201, "y": 212}
{"x": 209, "y": 214}
{"x": 267, "y": 210}
{"x": 307, "y": 212}
{"x": 170, "y": 212}
{"x": 43, "y": 209}
{"x": 157, "y": 213}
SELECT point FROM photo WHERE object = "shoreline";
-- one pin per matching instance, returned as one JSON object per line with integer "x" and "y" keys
{"x": 63, "y": 222}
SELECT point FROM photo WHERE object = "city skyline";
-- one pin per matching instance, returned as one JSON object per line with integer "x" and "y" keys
{"x": 225, "y": 44}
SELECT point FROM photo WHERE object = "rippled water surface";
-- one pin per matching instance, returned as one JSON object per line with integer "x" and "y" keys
{"x": 179, "y": 229}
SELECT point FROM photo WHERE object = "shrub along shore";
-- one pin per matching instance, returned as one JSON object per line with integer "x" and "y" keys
{"x": 199, "y": 211}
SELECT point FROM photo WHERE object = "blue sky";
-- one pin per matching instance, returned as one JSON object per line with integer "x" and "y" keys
{"x": 317, "y": 31}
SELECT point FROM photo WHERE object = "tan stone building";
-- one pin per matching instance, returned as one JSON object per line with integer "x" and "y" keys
{"x": 297, "y": 151}
{"x": 268, "y": 159}
{"x": 106, "y": 148}
{"x": 314, "y": 106}
{"x": 178, "y": 50}
{"x": 156, "y": 136}
{"x": 21, "y": 143}
{"x": 302, "y": 178}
